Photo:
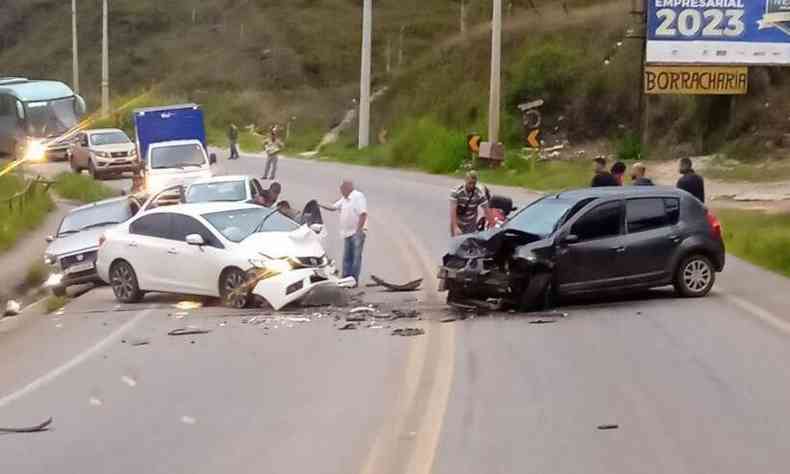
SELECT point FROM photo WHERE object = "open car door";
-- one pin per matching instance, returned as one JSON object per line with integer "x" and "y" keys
{"x": 171, "y": 196}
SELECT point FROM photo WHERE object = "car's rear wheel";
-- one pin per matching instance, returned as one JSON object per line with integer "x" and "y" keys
{"x": 124, "y": 283}
{"x": 695, "y": 276}
{"x": 234, "y": 288}
{"x": 73, "y": 162}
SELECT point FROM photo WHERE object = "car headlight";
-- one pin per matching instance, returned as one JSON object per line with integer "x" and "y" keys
{"x": 50, "y": 259}
{"x": 274, "y": 266}
{"x": 102, "y": 154}
{"x": 35, "y": 150}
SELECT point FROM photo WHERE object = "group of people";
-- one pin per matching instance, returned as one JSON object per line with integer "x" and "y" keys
{"x": 273, "y": 145}
{"x": 689, "y": 180}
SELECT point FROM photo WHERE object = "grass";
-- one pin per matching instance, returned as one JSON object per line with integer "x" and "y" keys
{"x": 54, "y": 303}
{"x": 82, "y": 188}
{"x": 766, "y": 171}
{"x": 760, "y": 238}
{"x": 36, "y": 275}
{"x": 15, "y": 222}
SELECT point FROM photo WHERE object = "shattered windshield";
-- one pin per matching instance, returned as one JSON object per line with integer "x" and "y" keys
{"x": 103, "y": 214}
{"x": 109, "y": 138}
{"x": 541, "y": 218}
{"x": 228, "y": 191}
{"x": 46, "y": 119}
{"x": 178, "y": 156}
{"x": 239, "y": 224}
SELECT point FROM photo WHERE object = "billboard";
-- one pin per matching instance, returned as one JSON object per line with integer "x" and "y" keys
{"x": 697, "y": 80}
{"x": 727, "y": 32}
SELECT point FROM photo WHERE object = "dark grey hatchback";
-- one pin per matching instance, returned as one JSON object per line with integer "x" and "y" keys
{"x": 588, "y": 241}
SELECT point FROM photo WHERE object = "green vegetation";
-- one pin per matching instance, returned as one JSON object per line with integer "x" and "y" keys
{"x": 36, "y": 275}
{"x": 82, "y": 188}
{"x": 23, "y": 216}
{"x": 765, "y": 171}
{"x": 54, "y": 303}
{"x": 760, "y": 238}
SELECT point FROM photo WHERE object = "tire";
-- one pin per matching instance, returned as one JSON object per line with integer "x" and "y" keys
{"x": 95, "y": 174}
{"x": 124, "y": 283}
{"x": 695, "y": 276}
{"x": 59, "y": 291}
{"x": 233, "y": 289}
{"x": 73, "y": 164}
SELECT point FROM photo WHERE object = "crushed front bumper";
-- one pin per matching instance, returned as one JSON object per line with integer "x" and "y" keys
{"x": 295, "y": 285}
{"x": 478, "y": 277}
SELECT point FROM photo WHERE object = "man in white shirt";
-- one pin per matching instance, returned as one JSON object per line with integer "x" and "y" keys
{"x": 353, "y": 209}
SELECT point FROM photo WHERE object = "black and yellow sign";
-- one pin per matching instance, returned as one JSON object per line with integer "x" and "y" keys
{"x": 697, "y": 80}
{"x": 474, "y": 143}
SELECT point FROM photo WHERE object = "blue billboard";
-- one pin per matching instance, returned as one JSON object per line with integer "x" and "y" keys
{"x": 718, "y": 32}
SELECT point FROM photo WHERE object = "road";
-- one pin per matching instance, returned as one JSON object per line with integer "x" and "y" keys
{"x": 693, "y": 386}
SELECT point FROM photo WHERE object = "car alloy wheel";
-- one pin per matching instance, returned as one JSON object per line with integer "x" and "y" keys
{"x": 124, "y": 283}
{"x": 695, "y": 276}
{"x": 235, "y": 289}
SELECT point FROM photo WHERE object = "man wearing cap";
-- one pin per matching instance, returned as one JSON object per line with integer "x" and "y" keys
{"x": 465, "y": 200}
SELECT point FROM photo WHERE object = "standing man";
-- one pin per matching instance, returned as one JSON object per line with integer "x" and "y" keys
{"x": 618, "y": 172}
{"x": 602, "y": 176}
{"x": 465, "y": 201}
{"x": 273, "y": 149}
{"x": 638, "y": 178}
{"x": 353, "y": 209}
{"x": 233, "y": 140}
{"x": 690, "y": 181}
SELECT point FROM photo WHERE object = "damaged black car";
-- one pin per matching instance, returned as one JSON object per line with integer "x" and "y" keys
{"x": 588, "y": 241}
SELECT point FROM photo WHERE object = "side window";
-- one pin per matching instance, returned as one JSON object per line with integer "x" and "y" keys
{"x": 672, "y": 208}
{"x": 603, "y": 221}
{"x": 646, "y": 214}
{"x": 153, "y": 225}
{"x": 185, "y": 225}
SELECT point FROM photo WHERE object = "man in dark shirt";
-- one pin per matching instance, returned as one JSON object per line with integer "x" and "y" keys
{"x": 690, "y": 181}
{"x": 638, "y": 178}
{"x": 602, "y": 176}
{"x": 618, "y": 171}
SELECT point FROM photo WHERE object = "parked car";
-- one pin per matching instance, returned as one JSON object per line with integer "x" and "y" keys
{"x": 235, "y": 251}
{"x": 588, "y": 241}
{"x": 72, "y": 250}
{"x": 217, "y": 189}
{"x": 103, "y": 153}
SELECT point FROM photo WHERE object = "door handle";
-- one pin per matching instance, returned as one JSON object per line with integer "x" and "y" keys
{"x": 132, "y": 244}
{"x": 620, "y": 249}
{"x": 674, "y": 238}
{"x": 172, "y": 252}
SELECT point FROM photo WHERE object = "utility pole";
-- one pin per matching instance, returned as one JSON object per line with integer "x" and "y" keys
{"x": 639, "y": 10}
{"x": 364, "y": 85}
{"x": 75, "y": 58}
{"x": 400, "y": 47}
{"x": 105, "y": 65}
{"x": 496, "y": 74}
{"x": 463, "y": 17}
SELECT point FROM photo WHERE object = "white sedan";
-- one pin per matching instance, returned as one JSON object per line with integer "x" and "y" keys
{"x": 226, "y": 250}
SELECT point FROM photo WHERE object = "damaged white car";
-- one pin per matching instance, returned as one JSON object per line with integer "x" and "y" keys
{"x": 237, "y": 252}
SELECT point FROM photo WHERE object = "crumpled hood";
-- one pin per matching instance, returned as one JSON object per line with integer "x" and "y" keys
{"x": 85, "y": 240}
{"x": 490, "y": 243}
{"x": 302, "y": 242}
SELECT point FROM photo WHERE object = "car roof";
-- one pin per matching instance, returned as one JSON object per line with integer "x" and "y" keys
{"x": 619, "y": 191}
{"x": 221, "y": 179}
{"x": 33, "y": 91}
{"x": 200, "y": 208}
{"x": 191, "y": 141}
{"x": 100, "y": 203}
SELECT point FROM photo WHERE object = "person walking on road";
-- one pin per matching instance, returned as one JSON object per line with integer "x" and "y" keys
{"x": 465, "y": 201}
{"x": 690, "y": 181}
{"x": 602, "y": 176}
{"x": 638, "y": 178}
{"x": 233, "y": 140}
{"x": 273, "y": 149}
{"x": 353, "y": 209}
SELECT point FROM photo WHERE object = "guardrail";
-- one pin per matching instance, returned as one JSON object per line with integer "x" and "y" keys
{"x": 18, "y": 200}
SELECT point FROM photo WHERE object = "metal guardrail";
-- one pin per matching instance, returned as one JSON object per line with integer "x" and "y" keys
{"x": 19, "y": 199}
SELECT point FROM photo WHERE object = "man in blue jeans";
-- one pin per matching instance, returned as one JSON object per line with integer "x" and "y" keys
{"x": 353, "y": 209}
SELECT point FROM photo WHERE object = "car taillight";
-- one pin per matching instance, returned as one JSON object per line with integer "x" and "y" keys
{"x": 715, "y": 225}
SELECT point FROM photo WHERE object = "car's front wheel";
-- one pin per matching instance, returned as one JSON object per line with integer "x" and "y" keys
{"x": 234, "y": 288}
{"x": 695, "y": 276}
{"x": 124, "y": 283}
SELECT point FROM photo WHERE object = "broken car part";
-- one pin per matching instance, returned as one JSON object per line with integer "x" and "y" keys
{"x": 410, "y": 286}
{"x": 408, "y": 332}
{"x": 187, "y": 332}
{"x": 31, "y": 429}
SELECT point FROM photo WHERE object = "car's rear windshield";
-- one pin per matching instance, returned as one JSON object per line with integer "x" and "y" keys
{"x": 541, "y": 218}
{"x": 230, "y": 191}
{"x": 178, "y": 156}
{"x": 239, "y": 224}
{"x": 100, "y": 215}
{"x": 109, "y": 138}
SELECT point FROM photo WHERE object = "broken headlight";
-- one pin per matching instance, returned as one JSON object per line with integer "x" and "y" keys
{"x": 271, "y": 265}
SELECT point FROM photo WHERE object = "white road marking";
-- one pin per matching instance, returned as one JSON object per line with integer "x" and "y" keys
{"x": 71, "y": 364}
{"x": 760, "y": 313}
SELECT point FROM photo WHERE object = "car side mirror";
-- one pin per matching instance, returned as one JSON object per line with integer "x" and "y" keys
{"x": 317, "y": 228}
{"x": 570, "y": 239}
{"x": 196, "y": 239}
{"x": 212, "y": 159}
{"x": 50, "y": 239}
{"x": 79, "y": 106}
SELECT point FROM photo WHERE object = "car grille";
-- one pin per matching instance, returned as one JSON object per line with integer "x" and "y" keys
{"x": 119, "y": 154}
{"x": 312, "y": 261}
{"x": 455, "y": 262}
{"x": 70, "y": 260}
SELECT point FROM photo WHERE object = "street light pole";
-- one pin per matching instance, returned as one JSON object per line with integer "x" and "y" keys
{"x": 75, "y": 66}
{"x": 496, "y": 75}
{"x": 105, "y": 66}
{"x": 364, "y": 86}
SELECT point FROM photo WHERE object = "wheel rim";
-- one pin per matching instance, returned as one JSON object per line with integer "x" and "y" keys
{"x": 235, "y": 290}
{"x": 697, "y": 275}
{"x": 123, "y": 282}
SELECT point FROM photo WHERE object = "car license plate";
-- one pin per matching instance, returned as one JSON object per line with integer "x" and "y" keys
{"x": 80, "y": 267}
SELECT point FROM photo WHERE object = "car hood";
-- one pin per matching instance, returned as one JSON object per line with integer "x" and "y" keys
{"x": 164, "y": 178}
{"x": 128, "y": 147}
{"x": 490, "y": 243}
{"x": 73, "y": 243}
{"x": 302, "y": 242}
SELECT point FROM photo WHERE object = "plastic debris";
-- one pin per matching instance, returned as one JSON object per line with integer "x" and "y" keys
{"x": 95, "y": 402}
{"x": 188, "y": 305}
{"x": 12, "y": 308}
{"x": 180, "y": 315}
{"x": 405, "y": 314}
{"x": 347, "y": 327}
{"x": 408, "y": 332}
{"x": 543, "y": 321}
{"x": 363, "y": 309}
{"x": 188, "y": 420}
{"x": 294, "y": 319}
{"x": 410, "y": 286}
{"x": 356, "y": 318}
{"x": 139, "y": 342}
{"x": 188, "y": 331}
{"x": 129, "y": 381}
{"x": 608, "y": 427}
{"x": 30, "y": 429}
{"x": 448, "y": 320}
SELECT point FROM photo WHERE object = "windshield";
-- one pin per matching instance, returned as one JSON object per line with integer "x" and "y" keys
{"x": 109, "y": 138}
{"x": 46, "y": 119}
{"x": 541, "y": 218}
{"x": 103, "y": 214}
{"x": 178, "y": 156}
{"x": 240, "y": 224}
{"x": 230, "y": 191}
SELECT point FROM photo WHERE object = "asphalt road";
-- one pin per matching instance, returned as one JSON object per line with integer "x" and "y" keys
{"x": 693, "y": 386}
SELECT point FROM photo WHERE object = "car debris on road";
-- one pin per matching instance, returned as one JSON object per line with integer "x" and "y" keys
{"x": 413, "y": 285}
{"x": 12, "y": 308}
{"x": 188, "y": 331}
{"x": 408, "y": 332}
{"x": 31, "y": 429}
